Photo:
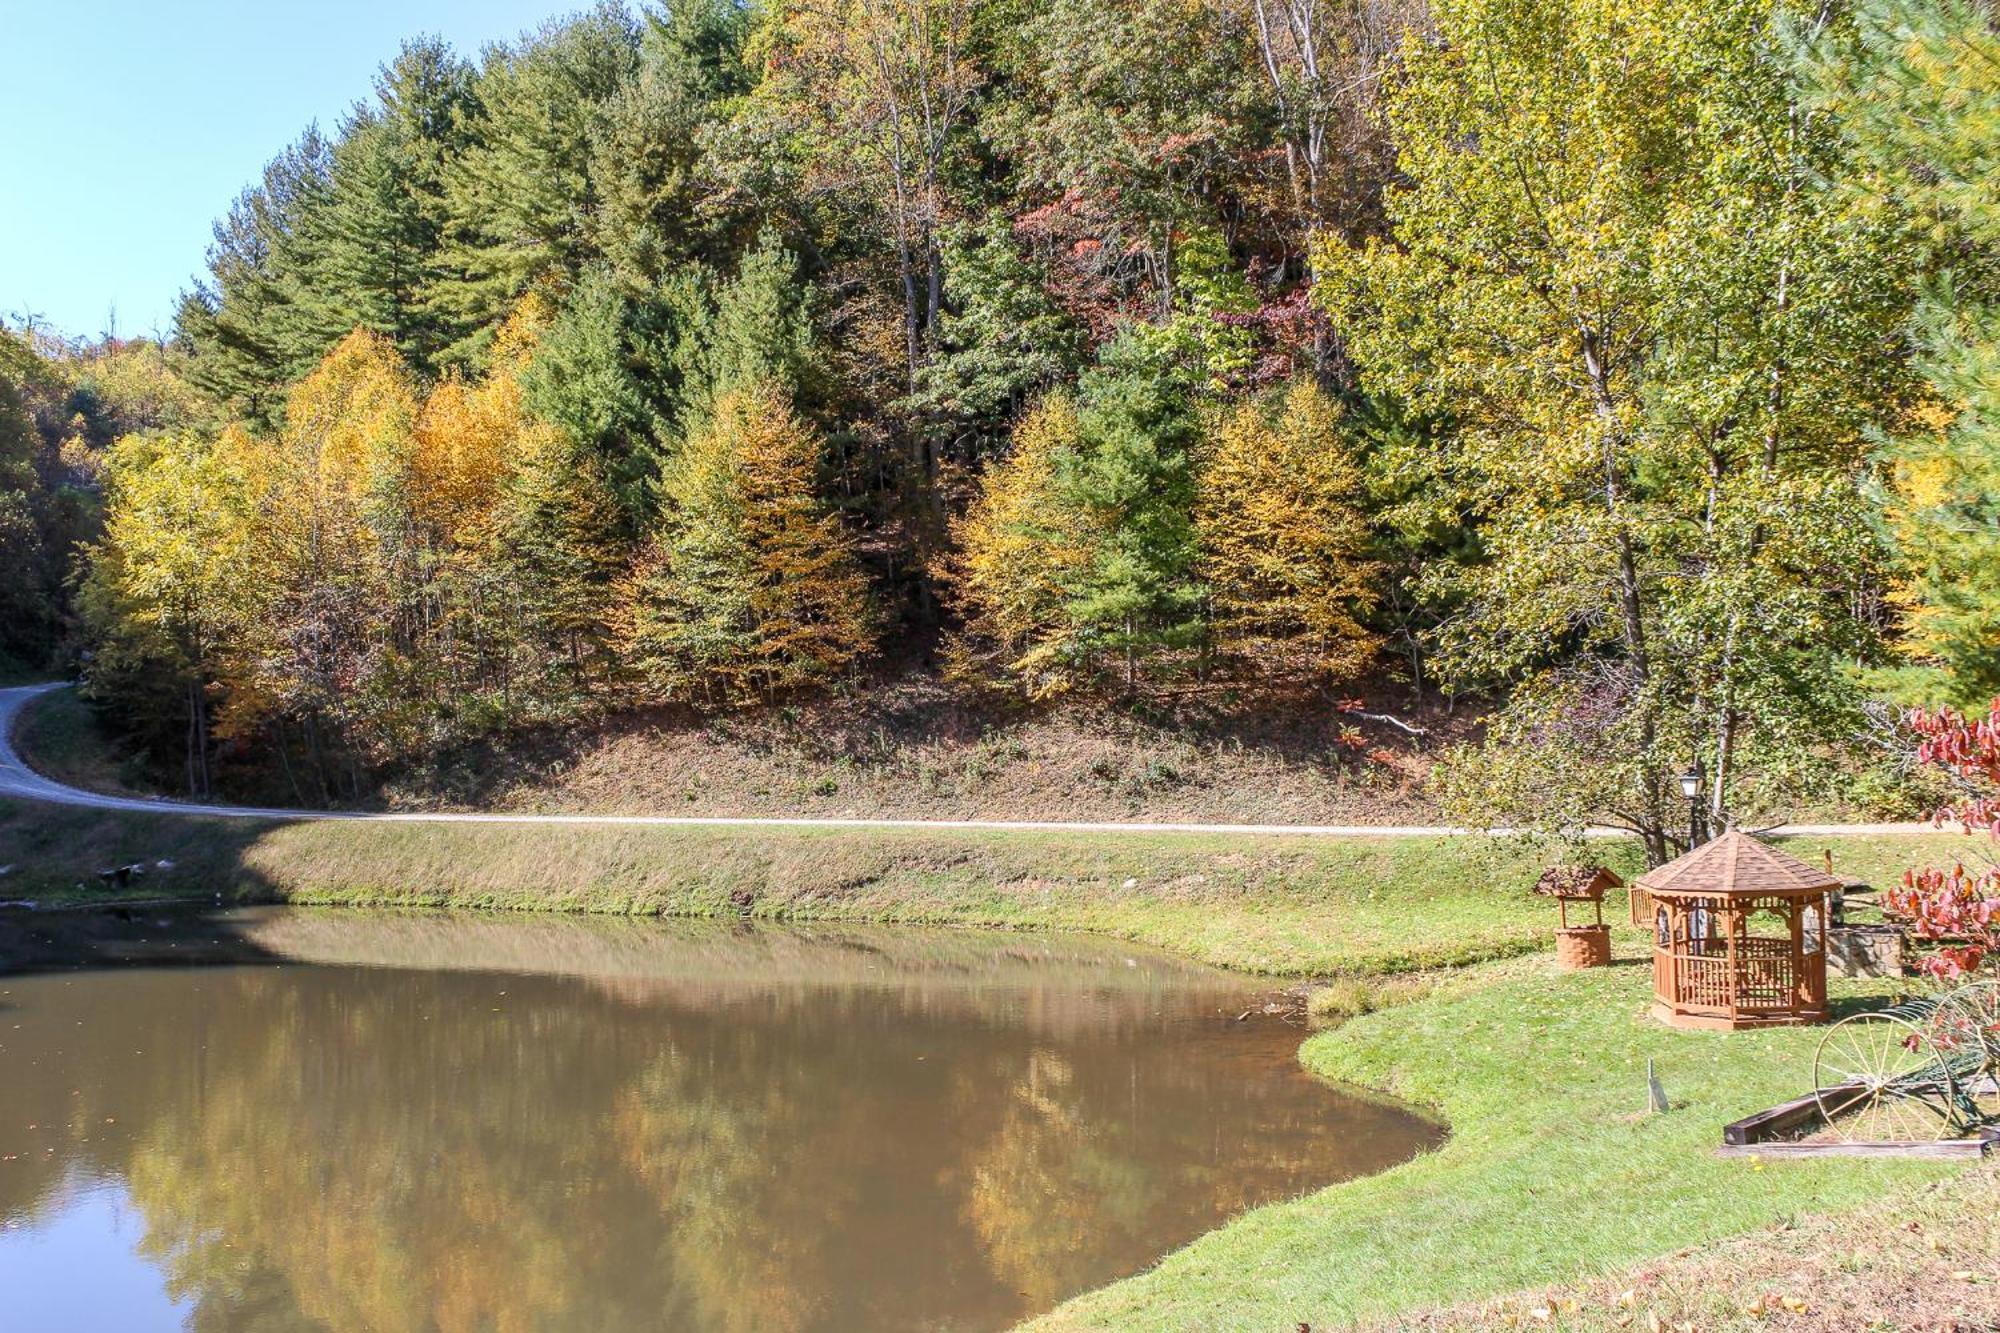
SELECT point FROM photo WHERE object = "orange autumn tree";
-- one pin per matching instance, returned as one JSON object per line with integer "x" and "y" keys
{"x": 748, "y": 585}
{"x": 1285, "y": 542}
{"x": 470, "y": 432}
{"x": 523, "y": 537}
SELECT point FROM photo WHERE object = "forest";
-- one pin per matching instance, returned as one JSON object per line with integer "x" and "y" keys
{"x": 1630, "y": 367}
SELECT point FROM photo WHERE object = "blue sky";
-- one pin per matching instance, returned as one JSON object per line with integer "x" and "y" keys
{"x": 131, "y": 124}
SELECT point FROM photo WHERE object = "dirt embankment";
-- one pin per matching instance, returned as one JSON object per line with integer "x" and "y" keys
{"x": 916, "y": 750}
{"x": 907, "y": 747}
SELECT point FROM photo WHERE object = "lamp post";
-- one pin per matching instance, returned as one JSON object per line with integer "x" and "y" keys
{"x": 1692, "y": 782}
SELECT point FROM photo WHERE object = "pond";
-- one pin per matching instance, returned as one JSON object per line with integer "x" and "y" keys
{"x": 294, "y": 1119}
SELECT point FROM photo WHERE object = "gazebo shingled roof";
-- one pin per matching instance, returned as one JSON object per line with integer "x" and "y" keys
{"x": 1736, "y": 864}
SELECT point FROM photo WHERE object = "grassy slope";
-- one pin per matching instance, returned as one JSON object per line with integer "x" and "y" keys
{"x": 1549, "y": 1174}
{"x": 1917, "y": 1259}
{"x": 1270, "y": 905}
{"x": 1286, "y": 906}
{"x": 60, "y": 737}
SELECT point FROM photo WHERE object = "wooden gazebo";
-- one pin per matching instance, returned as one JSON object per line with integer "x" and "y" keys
{"x": 1739, "y": 936}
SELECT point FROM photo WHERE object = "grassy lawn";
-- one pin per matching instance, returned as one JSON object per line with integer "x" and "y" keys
{"x": 1923, "y": 1258}
{"x": 1550, "y": 1174}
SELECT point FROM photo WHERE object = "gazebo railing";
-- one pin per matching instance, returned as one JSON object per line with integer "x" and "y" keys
{"x": 1761, "y": 977}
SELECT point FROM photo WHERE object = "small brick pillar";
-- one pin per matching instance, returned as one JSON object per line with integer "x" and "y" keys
{"x": 1583, "y": 946}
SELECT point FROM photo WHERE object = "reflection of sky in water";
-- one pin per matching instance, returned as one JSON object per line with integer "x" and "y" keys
{"x": 89, "y": 1233}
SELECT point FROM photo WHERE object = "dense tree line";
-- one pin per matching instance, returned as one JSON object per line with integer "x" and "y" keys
{"x": 1629, "y": 361}
{"x": 61, "y": 406}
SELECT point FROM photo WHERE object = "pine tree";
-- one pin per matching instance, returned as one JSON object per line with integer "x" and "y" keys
{"x": 756, "y": 329}
{"x": 1132, "y": 474}
{"x": 522, "y": 200}
{"x": 1915, "y": 85}
{"x": 587, "y": 379}
{"x": 562, "y": 544}
{"x": 1284, "y": 541}
{"x": 385, "y": 211}
{"x": 748, "y": 587}
{"x": 649, "y": 145}
{"x": 262, "y": 319}
{"x": 1017, "y": 549}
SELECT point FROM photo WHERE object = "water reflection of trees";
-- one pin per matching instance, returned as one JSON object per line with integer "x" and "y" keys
{"x": 349, "y": 1148}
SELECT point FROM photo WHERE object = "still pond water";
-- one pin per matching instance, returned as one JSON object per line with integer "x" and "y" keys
{"x": 289, "y": 1119}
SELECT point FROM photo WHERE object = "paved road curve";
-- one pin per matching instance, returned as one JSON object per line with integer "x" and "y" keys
{"x": 18, "y": 780}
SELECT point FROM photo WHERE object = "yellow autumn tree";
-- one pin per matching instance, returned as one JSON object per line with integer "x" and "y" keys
{"x": 1284, "y": 541}
{"x": 748, "y": 585}
{"x": 337, "y": 602}
{"x": 161, "y": 599}
{"x": 1016, "y": 549}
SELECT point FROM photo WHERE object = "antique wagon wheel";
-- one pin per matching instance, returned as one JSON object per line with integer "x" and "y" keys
{"x": 1966, "y": 1031}
{"x": 1878, "y": 1078}
{"x": 1969, "y": 1017}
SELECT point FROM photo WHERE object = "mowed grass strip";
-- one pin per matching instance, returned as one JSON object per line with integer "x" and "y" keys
{"x": 1279, "y": 906}
{"x": 1283, "y": 906}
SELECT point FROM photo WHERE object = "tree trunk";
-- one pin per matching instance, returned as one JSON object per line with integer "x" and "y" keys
{"x": 1630, "y": 597}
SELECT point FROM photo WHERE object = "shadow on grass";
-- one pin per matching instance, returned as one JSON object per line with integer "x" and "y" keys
{"x": 1847, "y": 1006}
{"x": 88, "y": 888}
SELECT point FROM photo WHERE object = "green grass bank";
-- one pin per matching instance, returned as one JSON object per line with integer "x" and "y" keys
{"x": 1284, "y": 906}
{"x": 1551, "y": 1173}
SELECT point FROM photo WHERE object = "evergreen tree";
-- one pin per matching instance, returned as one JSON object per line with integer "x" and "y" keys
{"x": 562, "y": 545}
{"x": 756, "y": 329}
{"x": 1001, "y": 339}
{"x": 522, "y": 199}
{"x": 749, "y": 586}
{"x": 260, "y": 322}
{"x": 1133, "y": 476}
{"x": 587, "y": 379}
{"x": 649, "y": 145}
{"x": 386, "y": 205}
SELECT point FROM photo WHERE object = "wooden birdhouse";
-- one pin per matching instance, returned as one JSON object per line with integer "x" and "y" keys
{"x": 1583, "y": 945}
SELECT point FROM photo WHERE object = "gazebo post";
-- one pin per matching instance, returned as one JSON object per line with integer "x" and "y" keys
{"x": 1732, "y": 918}
{"x": 1801, "y": 983}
